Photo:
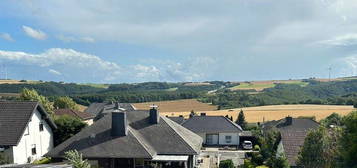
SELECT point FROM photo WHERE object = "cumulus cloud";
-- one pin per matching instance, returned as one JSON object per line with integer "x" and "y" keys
{"x": 75, "y": 39}
{"x": 36, "y": 34}
{"x": 245, "y": 40}
{"x": 69, "y": 62}
{"x": 6, "y": 36}
{"x": 52, "y": 71}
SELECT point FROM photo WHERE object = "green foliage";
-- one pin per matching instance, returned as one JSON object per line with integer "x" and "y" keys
{"x": 67, "y": 126}
{"x": 65, "y": 102}
{"x": 333, "y": 119}
{"x": 256, "y": 148}
{"x": 76, "y": 159}
{"x": 312, "y": 152}
{"x": 241, "y": 120}
{"x": 262, "y": 166}
{"x": 45, "y": 160}
{"x": 226, "y": 164}
{"x": 32, "y": 95}
{"x": 348, "y": 145}
{"x": 3, "y": 159}
{"x": 248, "y": 164}
{"x": 280, "y": 161}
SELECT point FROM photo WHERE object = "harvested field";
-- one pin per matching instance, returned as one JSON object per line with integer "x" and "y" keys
{"x": 261, "y": 85}
{"x": 185, "y": 105}
{"x": 276, "y": 112}
{"x": 197, "y": 84}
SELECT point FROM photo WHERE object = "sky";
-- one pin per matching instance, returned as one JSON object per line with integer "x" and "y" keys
{"x": 115, "y": 41}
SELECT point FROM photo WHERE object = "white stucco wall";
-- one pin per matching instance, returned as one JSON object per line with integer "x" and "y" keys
{"x": 43, "y": 140}
{"x": 234, "y": 139}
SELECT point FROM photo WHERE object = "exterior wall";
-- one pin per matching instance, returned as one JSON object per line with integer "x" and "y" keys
{"x": 234, "y": 139}
{"x": 42, "y": 140}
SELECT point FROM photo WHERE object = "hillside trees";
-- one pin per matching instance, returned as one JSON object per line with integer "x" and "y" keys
{"x": 32, "y": 95}
{"x": 65, "y": 102}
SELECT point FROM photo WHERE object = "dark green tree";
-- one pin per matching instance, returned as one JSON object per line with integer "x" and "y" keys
{"x": 67, "y": 126}
{"x": 241, "y": 120}
{"x": 333, "y": 119}
{"x": 312, "y": 152}
{"x": 348, "y": 141}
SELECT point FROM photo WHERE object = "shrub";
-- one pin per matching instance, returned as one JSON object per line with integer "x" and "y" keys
{"x": 262, "y": 166}
{"x": 226, "y": 164}
{"x": 3, "y": 159}
{"x": 256, "y": 147}
{"x": 76, "y": 159}
{"x": 42, "y": 161}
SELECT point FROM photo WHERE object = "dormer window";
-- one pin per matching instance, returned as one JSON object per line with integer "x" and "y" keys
{"x": 41, "y": 126}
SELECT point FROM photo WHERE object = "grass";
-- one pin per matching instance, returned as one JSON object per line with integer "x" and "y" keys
{"x": 184, "y": 105}
{"x": 276, "y": 112}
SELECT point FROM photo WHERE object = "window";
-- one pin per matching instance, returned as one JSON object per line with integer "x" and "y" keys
{"x": 209, "y": 139}
{"x": 229, "y": 139}
{"x": 41, "y": 126}
{"x": 33, "y": 149}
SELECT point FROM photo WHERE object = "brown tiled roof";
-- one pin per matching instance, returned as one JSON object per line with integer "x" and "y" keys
{"x": 74, "y": 113}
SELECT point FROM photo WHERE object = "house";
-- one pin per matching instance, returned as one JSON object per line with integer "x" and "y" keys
{"x": 26, "y": 131}
{"x": 133, "y": 138}
{"x": 293, "y": 132}
{"x": 214, "y": 130}
{"x": 100, "y": 109}
{"x": 84, "y": 116}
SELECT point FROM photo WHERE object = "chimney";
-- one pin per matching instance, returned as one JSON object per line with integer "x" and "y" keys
{"x": 154, "y": 115}
{"x": 116, "y": 105}
{"x": 119, "y": 123}
{"x": 203, "y": 114}
{"x": 288, "y": 120}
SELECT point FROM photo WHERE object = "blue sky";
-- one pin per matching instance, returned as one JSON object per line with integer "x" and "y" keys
{"x": 135, "y": 41}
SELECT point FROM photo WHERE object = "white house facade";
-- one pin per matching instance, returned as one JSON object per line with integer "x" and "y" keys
{"x": 34, "y": 132}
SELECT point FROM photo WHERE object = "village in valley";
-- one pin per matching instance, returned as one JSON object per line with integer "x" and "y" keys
{"x": 62, "y": 131}
{"x": 178, "y": 84}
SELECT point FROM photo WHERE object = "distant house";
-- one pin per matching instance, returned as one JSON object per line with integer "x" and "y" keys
{"x": 84, "y": 116}
{"x": 133, "y": 138}
{"x": 25, "y": 131}
{"x": 215, "y": 130}
{"x": 101, "y": 109}
{"x": 293, "y": 132}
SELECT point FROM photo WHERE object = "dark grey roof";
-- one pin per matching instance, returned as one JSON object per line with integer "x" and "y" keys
{"x": 144, "y": 140}
{"x": 178, "y": 120}
{"x": 100, "y": 109}
{"x": 211, "y": 124}
{"x": 292, "y": 135}
{"x": 14, "y": 117}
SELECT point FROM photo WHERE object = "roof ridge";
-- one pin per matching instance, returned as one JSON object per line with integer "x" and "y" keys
{"x": 136, "y": 135}
{"x": 234, "y": 124}
{"x": 166, "y": 119}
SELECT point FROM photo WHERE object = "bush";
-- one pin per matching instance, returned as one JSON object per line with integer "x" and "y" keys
{"x": 76, "y": 159}
{"x": 3, "y": 159}
{"x": 262, "y": 166}
{"x": 226, "y": 164}
{"x": 248, "y": 164}
{"x": 42, "y": 161}
{"x": 256, "y": 148}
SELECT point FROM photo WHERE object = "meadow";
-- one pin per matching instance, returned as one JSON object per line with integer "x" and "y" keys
{"x": 261, "y": 85}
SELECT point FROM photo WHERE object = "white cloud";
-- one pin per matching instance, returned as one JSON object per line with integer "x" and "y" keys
{"x": 6, "y": 36}
{"x": 344, "y": 40}
{"x": 52, "y": 71}
{"x": 74, "y": 39}
{"x": 36, "y": 34}
{"x": 69, "y": 62}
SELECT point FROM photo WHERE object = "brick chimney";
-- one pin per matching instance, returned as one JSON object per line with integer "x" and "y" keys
{"x": 119, "y": 123}
{"x": 288, "y": 120}
{"x": 154, "y": 115}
